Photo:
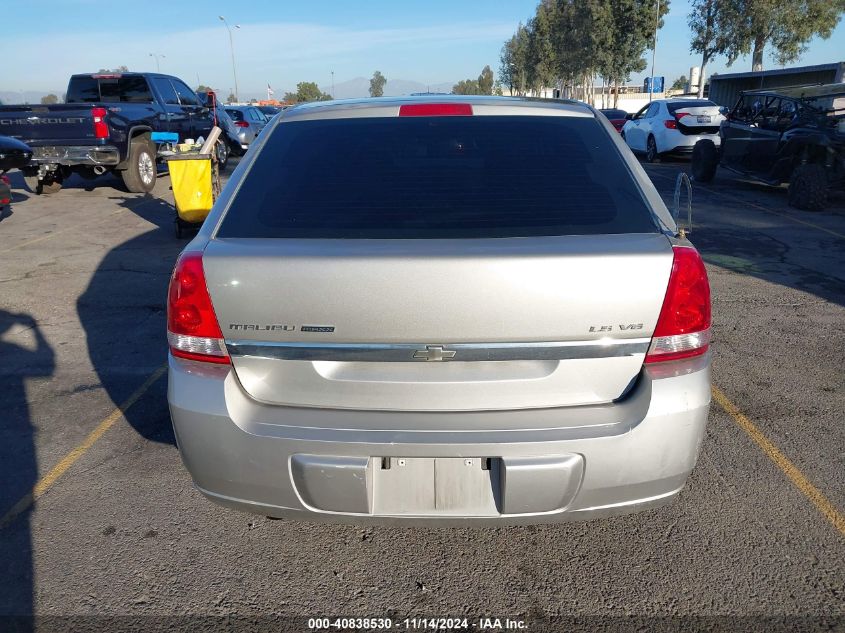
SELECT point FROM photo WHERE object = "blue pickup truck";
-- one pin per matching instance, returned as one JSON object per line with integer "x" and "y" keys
{"x": 106, "y": 125}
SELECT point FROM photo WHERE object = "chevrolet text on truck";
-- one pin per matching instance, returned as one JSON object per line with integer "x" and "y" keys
{"x": 106, "y": 125}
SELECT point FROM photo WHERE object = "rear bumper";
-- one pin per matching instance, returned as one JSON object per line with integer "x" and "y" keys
{"x": 71, "y": 155}
{"x": 678, "y": 143}
{"x": 329, "y": 465}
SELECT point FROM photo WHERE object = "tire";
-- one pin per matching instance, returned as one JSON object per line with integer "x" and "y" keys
{"x": 651, "y": 153}
{"x": 808, "y": 187}
{"x": 39, "y": 187}
{"x": 140, "y": 173}
{"x": 222, "y": 151}
{"x": 705, "y": 160}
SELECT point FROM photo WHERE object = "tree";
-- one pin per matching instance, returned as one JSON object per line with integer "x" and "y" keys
{"x": 466, "y": 87}
{"x": 231, "y": 98}
{"x": 485, "y": 81}
{"x": 713, "y": 23}
{"x": 203, "y": 89}
{"x": 49, "y": 99}
{"x": 785, "y": 25}
{"x": 119, "y": 69}
{"x": 680, "y": 83}
{"x": 513, "y": 61}
{"x": 377, "y": 84}
{"x": 306, "y": 91}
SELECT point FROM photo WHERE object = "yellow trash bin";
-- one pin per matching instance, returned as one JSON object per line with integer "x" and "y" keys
{"x": 190, "y": 176}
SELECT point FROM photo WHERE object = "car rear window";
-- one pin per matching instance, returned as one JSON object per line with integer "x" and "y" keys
{"x": 692, "y": 103}
{"x": 437, "y": 177}
{"x": 614, "y": 114}
{"x": 126, "y": 89}
{"x": 236, "y": 115}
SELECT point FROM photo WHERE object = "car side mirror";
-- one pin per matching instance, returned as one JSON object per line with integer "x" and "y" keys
{"x": 683, "y": 181}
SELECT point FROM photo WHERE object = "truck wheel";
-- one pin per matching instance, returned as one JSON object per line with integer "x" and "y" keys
{"x": 140, "y": 173}
{"x": 38, "y": 187}
{"x": 705, "y": 160}
{"x": 808, "y": 187}
{"x": 651, "y": 154}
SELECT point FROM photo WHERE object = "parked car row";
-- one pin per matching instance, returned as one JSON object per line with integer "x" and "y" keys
{"x": 793, "y": 135}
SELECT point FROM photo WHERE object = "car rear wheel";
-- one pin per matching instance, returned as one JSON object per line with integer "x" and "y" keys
{"x": 808, "y": 187}
{"x": 140, "y": 174}
{"x": 705, "y": 160}
{"x": 651, "y": 154}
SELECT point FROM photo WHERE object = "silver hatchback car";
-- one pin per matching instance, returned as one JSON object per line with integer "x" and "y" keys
{"x": 453, "y": 311}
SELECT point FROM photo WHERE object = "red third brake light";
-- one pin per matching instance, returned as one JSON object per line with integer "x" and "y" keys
{"x": 683, "y": 328}
{"x": 435, "y": 109}
{"x": 101, "y": 128}
{"x": 192, "y": 328}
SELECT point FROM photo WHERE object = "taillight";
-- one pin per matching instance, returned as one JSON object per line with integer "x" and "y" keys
{"x": 683, "y": 328}
{"x": 670, "y": 123}
{"x": 241, "y": 124}
{"x": 681, "y": 115}
{"x": 101, "y": 128}
{"x": 435, "y": 109}
{"x": 192, "y": 329}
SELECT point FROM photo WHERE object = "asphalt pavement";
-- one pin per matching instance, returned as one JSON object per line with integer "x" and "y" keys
{"x": 101, "y": 522}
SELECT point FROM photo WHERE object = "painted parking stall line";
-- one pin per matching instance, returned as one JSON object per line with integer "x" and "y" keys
{"x": 55, "y": 473}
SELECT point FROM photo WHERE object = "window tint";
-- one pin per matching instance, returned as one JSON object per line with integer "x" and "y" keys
{"x": 437, "y": 177}
{"x": 186, "y": 95}
{"x": 652, "y": 110}
{"x": 125, "y": 89}
{"x": 689, "y": 103}
{"x": 83, "y": 90}
{"x": 614, "y": 114}
{"x": 236, "y": 115}
{"x": 166, "y": 90}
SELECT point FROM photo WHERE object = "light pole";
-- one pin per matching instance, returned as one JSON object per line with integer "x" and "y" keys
{"x": 158, "y": 65}
{"x": 332, "y": 84}
{"x": 654, "y": 50}
{"x": 232, "y": 49}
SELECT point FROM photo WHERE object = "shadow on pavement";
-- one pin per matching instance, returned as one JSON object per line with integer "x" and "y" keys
{"x": 730, "y": 234}
{"x": 123, "y": 314}
{"x": 25, "y": 354}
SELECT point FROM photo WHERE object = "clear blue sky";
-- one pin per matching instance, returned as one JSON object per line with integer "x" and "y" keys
{"x": 430, "y": 41}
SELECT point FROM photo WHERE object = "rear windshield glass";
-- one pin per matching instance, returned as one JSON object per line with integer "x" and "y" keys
{"x": 614, "y": 114}
{"x": 692, "y": 103}
{"x": 131, "y": 89}
{"x": 437, "y": 177}
{"x": 236, "y": 115}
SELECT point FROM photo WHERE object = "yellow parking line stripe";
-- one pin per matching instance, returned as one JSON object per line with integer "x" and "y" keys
{"x": 762, "y": 208}
{"x": 782, "y": 461}
{"x": 48, "y": 480}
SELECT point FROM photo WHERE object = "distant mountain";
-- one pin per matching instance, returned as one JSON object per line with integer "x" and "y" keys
{"x": 360, "y": 87}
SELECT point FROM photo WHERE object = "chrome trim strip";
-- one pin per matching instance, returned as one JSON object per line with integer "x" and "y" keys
{"x": 404, "y": 352}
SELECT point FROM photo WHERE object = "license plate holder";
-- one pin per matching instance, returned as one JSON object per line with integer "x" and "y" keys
{"x": 703, "y": 118}
{"x": 460, "y": 486}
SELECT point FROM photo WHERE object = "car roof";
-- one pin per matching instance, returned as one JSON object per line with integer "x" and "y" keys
{"x": 481, "y": 106}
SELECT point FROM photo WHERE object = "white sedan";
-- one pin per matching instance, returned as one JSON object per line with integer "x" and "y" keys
{"x": 672, "y": 126}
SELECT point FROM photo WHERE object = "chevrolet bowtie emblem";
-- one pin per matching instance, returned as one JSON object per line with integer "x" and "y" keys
{"x": 434, "y": 352}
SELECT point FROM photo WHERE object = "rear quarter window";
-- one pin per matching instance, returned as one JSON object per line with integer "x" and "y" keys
{"x": 437, "y": 177}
